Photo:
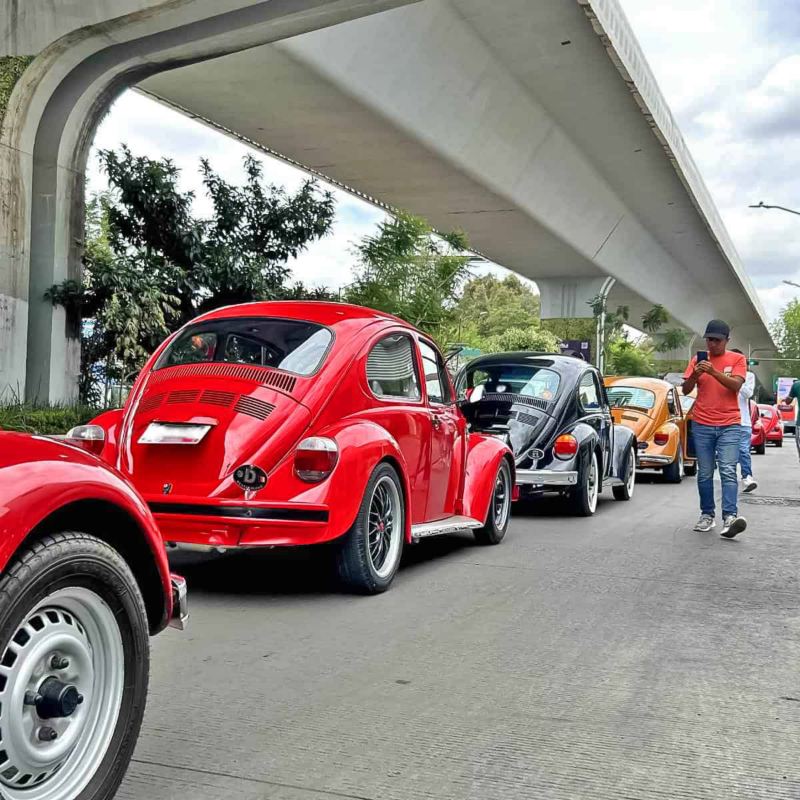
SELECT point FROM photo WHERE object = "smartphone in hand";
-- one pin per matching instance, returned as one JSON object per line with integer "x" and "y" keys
{"x": 702, "y": 355}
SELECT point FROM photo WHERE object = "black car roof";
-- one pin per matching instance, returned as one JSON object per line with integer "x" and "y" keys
{"x": 566, "y": 365}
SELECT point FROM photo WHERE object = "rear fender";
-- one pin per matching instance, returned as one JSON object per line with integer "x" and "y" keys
{"x": 484, "y": 454}
{"x": 362, "y": 446}
{"x": 624, "y": 450}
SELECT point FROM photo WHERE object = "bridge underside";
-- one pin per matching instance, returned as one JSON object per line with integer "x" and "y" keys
{"x": 516, "y": 127}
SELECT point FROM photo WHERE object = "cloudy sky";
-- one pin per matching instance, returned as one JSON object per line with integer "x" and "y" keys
{"x": 730, "y": 70}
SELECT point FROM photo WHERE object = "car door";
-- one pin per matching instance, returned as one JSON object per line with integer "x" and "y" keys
{"x": 447, "y": 437}
{"x": 593, "y": 404}
{"x": 676, "y": 415}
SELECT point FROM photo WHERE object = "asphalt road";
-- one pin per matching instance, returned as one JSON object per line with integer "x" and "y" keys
{"x": 619, "y": 657}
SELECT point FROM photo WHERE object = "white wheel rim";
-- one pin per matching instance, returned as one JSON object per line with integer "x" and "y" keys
{"x": 593, "y": 487}
{"x": 630, "y": 483}
{"x": 384, "y": 527}
{"x": 501, "y": 504}
{"x": 77, "y": 625}
{"x": 681, "y": 467}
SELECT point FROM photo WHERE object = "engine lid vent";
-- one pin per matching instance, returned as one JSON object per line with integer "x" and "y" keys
{"x": 151, "y": 402}
{"x": 254, "y": 407}
{"x": 183, "y": 396}
{"x": 216, "y": 398}
{"x": 264, "y": 375}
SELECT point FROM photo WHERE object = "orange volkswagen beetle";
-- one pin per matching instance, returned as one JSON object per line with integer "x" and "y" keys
{"x": 652, "y": 409}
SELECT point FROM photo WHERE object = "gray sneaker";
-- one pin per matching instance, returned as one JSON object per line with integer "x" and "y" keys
{"x": 732, "y": 525}
{"x": 705, "y": 523}
{"x": 749, "y": 483}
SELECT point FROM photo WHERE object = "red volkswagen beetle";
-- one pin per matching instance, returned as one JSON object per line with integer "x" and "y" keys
{"x": 758, "y": 436}
{"x": 773, "y": 425}
{"x": 298, "y": 423}
{"x": 83, "y": 581}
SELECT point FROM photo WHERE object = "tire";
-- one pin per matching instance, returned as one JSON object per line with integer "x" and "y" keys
{"x": 625, "y": 491}
{"x": 584, "y": 496}
{"x": 499, "y": 514}
{"x": 365, "y": 544}
{"x": 779, "y": 443}
{"x": 675, "y": 471}
{"x": 690, "y": 469}
{"x": 761, "y": 449}
{"x": 78, "y": 592}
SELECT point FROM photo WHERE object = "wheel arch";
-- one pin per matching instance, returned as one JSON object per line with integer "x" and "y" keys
{"x": 116, "y": 527}
{"x": 393, "y": 461}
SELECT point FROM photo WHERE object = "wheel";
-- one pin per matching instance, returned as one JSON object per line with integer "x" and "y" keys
{"x": 675, "y": 471}
{"x": 690, "y": 469}
{"x": 761, "y": 449}
{"x": 499, "y": 509}
{"x": 779, "y": 443}
{"x": 74, "y": 670}
{"x": 369, "y": 553}
{"x": 625, "y": 490}
{"x": 584, "y": 496}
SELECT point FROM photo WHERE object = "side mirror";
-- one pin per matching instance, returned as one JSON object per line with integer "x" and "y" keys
{"x": 477, "y": 394}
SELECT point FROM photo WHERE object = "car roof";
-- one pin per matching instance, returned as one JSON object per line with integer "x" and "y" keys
{"x": 555, "y": 361}
{"x": 322, "y": 312}
{"x": 640, "y": 382}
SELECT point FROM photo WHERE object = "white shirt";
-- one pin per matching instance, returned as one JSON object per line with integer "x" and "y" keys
{"x": 745, "y": 393}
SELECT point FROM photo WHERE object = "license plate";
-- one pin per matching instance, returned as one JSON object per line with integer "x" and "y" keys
{"x": 173, "y": 433}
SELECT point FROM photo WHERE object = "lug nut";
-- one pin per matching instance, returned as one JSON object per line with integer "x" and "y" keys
{"x": 59, "y": 662}
{"x": 79, "y": 699}
{"x": 47, "y": 734}
{"x": 32, "y": 698}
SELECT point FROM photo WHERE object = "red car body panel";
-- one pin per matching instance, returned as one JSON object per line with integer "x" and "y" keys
{"x": 771, "y": 420}
{"x": 758, "y": 435}
{"x": 40, "y": 476}
{"x": 445, "y": 471}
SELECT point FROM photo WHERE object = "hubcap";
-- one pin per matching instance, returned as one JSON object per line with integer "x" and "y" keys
{"x": 385, "y": 530}
{"x": 631, "y": 482}
{"x": 61, "y": 685}
{"x": 593, "y": 484}
{"x": 681, "y": 468}
{"x": 502, "y": 499}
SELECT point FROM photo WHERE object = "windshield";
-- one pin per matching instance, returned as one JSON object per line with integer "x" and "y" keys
{"x": 621, "y": 396}
{"x": 522, "y": 379}
{"x": 291, "y": 345}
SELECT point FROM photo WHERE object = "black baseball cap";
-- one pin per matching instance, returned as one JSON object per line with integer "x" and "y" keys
{"x": 717, "y": 329}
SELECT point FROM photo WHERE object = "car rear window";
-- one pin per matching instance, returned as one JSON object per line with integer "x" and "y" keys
{"x": 521, "y": 379}
{"x": 621, "y": 396}
{"x": 287, "y": 344}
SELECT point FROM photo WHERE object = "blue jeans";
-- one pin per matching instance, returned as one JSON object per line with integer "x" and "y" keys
{"x": 745, "y": 460}
{"x": 717, "y": 445}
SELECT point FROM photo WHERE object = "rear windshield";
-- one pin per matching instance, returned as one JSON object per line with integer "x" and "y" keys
{"x": 287, "y": 344}
{"x": 687, "y": 401}
{"x": 621, "y": 396}
{"x": 522, "y": 379}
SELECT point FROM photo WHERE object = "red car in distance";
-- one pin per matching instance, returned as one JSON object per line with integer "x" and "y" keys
{"x": 772, "y": 423}
{"x": 84, "y": 581}
{"x": 300, "y": 423}
{"x": 758, "y": 436}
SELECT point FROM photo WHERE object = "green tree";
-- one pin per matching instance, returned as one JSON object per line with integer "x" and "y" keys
{"x": 408, "y": 270}
{"x": 624, "y": 357}
{"x": 150, "y": 264}
{"x": 786, "y": 334}
{"x": 489, "y": 305}
{"x": 530, "y": 338}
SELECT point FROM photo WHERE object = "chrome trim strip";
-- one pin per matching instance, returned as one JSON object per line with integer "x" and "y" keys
{"x": 442, "y": 526}
{"x": 546, "y": 477}
{"x": 180, "y": 603}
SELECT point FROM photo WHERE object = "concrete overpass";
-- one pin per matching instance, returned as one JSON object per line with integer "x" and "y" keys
{"x": 536, "y": 127}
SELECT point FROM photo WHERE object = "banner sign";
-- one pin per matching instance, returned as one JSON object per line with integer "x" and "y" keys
{"x": 579, "y": 348}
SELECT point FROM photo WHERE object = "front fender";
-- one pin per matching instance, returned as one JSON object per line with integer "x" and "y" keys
{"x": 362, "y": 446}
{"x": 624, "y": 449}
{"x": 484, "y": 454}
{"x": 110, "y": 422}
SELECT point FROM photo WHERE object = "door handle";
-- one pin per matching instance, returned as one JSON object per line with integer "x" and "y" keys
{"x": 436, "y": 421}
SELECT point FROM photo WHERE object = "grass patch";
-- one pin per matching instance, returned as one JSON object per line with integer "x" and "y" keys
{"x": 44, "y": 419}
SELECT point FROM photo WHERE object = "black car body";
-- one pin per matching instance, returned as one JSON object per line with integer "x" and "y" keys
{"x": 536, "y": 402}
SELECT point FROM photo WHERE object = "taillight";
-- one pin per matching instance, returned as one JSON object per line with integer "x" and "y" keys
{"x": 87, "y": 437}
{"x": 315, "y": 458}
{"x": 661, "y": 438}
{"x": 566, "y": 446}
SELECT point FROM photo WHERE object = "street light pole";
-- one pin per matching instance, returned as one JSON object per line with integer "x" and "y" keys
{"x": 762, "y": 204}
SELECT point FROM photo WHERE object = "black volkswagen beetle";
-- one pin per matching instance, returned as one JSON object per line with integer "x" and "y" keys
{"x": 553, "y": 412}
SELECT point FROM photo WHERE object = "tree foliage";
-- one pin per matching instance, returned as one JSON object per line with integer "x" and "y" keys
{"x": 150, "y": 264}
{"x": 528, "y": 338}
{"x": 408, "y": 270}
{"x": 624, "y": 357}
{"x": 786, "y": 333}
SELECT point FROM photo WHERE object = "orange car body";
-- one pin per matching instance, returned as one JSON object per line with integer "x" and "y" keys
{"x": 652, "y": 409}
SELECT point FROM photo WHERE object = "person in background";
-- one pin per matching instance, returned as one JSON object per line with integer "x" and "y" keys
{"x": 717, "y": 426}
{"x": 746, "y": 393}
{"x": 793, "y": 399}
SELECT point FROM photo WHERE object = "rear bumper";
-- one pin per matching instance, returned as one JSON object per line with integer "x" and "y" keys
{"x": 546, "y": 477}
{"x": 229, "y": 524}
{"x": 654, "y": 461}
{"x": 180, "y": 603}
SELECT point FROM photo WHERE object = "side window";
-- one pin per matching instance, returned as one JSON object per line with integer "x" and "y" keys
{"x": 391, "y": 368}
{"x": 671, "y": 404}
{"x": 587, "y": 392}
{"x": 437, "y": 385}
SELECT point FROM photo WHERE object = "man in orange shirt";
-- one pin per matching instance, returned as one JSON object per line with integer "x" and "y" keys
{"x": 716, "y": 425}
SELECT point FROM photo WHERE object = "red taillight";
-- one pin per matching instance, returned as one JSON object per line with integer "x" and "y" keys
{"x": 315, "y": 459}
{"x": 87, "y": 437}
{"x": 661, "y": 438}
{"x": 566, "y": 446}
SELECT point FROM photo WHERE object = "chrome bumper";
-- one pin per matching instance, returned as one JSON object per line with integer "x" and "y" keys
{"x": 180, "y": 603}
{"x": 546, "y": 477}
{"x": 644, "y": 461}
